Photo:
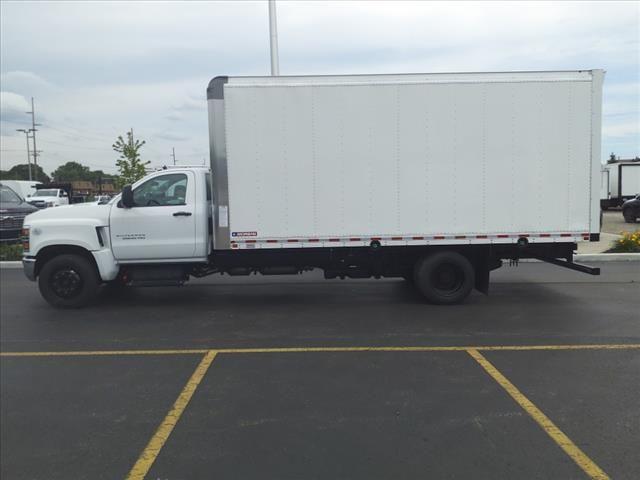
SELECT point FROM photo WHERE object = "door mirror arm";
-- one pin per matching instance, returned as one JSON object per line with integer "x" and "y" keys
{"x": 127, "y": 197}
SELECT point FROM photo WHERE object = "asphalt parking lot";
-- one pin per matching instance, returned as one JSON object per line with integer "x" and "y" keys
{"x": 305, "y": 378}
{"x": 613, "y": 222}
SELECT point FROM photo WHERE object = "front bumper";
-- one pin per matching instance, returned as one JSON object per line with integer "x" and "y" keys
{"x": 29, "y": 267}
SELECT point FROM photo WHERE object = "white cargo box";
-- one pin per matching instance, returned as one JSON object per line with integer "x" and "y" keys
{"x": 405, "y": 159}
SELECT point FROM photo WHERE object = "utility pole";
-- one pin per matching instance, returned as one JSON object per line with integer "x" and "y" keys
{"x": 273, "y": 38}
{"x": 173, "y": 154}
{"x": 34, "y": 130}
{"x": 26, "y": 132}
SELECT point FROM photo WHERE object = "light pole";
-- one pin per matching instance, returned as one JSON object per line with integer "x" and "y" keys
{"x": 273, "y": 39}
{"x": 34, "y": 130}
{"x": 26, "y": 132}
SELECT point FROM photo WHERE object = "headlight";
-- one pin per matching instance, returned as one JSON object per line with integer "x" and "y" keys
{"x": 25, "y": 239}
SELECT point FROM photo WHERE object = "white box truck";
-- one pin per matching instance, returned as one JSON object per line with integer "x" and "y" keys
{"x": 436, "y": 178}
{"x": 624, "y": 182}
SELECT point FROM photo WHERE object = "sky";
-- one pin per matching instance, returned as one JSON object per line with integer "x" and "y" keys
{"x": 97, "y": 69}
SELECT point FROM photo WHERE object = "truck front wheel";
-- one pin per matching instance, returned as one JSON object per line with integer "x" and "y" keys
{"x": 68, "y": 281}
{"x": 444, "y": 278}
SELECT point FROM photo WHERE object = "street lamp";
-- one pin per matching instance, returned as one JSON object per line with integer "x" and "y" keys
{"x": 26, "y": 132}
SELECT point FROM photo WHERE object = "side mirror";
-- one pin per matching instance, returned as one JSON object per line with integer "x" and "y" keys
{"x": 127, "y": 197}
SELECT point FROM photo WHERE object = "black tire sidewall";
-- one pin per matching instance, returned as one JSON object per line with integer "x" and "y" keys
{"x": 426, "y": 265}
{"x": 84, "y": 267}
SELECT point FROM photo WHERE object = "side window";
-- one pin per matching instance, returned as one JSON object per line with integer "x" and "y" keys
{"x": 162, "y": 191}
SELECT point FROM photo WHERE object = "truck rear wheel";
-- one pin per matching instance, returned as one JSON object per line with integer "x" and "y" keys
{"x": 68, "y": 281}
{"x": 444, "y": 278}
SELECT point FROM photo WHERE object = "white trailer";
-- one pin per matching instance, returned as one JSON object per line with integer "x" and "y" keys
{"x": 436, "y": 178}
{"x": 624, "y": 182}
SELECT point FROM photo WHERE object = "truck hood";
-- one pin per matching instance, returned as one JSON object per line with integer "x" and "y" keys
{"x": 90, "y": 211}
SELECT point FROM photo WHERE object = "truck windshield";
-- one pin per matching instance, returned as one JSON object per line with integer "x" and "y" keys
{"x": 9, "y": 196}
{"x": 46, "y": 193}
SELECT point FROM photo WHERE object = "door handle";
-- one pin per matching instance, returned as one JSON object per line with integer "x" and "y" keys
{"x": 182, "y": 214}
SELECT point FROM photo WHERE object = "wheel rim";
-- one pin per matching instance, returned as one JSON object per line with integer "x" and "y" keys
{"x": 448, "y": 278}
{"x": 66, "y": 283}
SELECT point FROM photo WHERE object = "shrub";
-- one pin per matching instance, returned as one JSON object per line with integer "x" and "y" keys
{"x": 629, "y": 243}
{"x": 10, "y": 252}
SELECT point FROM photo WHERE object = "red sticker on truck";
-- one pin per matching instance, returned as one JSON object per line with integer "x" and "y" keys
{"x": 244, "y": 234}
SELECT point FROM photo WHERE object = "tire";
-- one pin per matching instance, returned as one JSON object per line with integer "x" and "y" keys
{"x": 69, "y": 281}
{"x": 629, "y": 216}
{"x": 444, "y": 278}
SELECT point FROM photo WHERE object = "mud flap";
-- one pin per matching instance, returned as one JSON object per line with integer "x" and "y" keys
{"x": 482, "y": 277}
{"x": 483, "y": 267}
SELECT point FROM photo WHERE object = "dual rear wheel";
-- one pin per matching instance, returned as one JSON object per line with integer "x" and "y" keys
{"x": 444, "y": 278}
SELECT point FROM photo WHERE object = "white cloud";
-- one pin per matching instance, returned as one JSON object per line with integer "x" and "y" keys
{"x": 626, "y": 129}
{"x": 11, "y": 103}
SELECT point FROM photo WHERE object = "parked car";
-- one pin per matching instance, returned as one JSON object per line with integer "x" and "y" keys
{"x": 102, "y": 199}
{"x": 49, "y": 197}
{"x": 631, "y": 209}
{"x": 13, "y": 209}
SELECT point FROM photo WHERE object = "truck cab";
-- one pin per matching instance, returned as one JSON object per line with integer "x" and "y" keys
{"x": 73, "y": 249}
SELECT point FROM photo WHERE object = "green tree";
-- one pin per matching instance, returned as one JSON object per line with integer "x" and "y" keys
{"x": 21, "y": 172}
{"x": 130, "y": 165}
{"x": 71, "y": 172}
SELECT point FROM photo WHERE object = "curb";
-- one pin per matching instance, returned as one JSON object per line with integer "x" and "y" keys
{"x": 607, "y": 257}
{"x": 10, "y": 265}
{"x": 583, "y": 257}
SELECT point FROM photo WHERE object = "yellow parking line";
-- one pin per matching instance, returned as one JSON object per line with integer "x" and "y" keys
{"x": 88, "y": 353}
{"x": 326, "y": 349}
{"x": 428, "y": 349}
{"x": 82, "y": 353}
{"x": 564, "y": 442}
{"x": 151, "y": 451}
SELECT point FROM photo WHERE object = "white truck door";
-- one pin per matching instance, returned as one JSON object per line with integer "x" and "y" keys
{"x": 161, "y": 225}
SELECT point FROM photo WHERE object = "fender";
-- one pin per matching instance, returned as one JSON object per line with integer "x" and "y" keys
{"x": 76, "y": 229}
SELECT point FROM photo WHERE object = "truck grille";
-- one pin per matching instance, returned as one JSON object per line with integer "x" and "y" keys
{"x": 38, "y": 203}
{"x": 11, "y": 221}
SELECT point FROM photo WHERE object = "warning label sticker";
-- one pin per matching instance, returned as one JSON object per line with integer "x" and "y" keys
{"x": 244, "y": 234}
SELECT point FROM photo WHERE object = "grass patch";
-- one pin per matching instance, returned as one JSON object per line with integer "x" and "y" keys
{"x": 10, "y": 252}
{"x": 629, "y": 243}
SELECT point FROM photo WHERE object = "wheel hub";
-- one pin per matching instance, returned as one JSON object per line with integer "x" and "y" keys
{"x": 447, "y": 278}
{"x": 66, "y": 283}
